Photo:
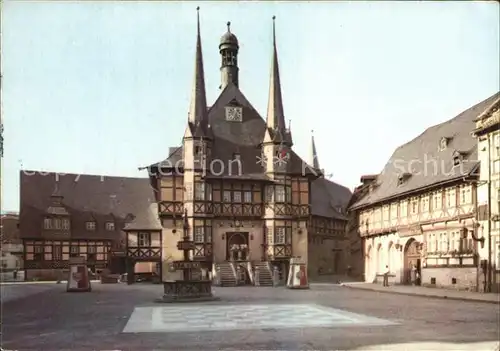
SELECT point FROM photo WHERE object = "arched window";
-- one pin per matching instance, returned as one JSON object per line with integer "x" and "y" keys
{"x": 380, "y": 260}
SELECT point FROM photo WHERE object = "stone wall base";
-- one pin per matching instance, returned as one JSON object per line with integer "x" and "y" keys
{"x": 451, "y": 278}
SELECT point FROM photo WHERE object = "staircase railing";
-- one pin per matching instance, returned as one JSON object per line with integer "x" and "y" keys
{"x": 233, "y": 269}
{"x": 250, "y": 271}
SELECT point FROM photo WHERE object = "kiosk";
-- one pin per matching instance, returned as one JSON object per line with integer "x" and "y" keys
{"x": 78, "y": 279}
{"x": 297, "y": 276}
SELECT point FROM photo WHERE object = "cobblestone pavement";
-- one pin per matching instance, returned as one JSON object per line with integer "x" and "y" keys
{"x": 10, "y": 292}
{"x": 57, "y": 320}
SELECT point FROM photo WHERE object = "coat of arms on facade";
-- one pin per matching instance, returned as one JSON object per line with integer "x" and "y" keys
{"x": 282, "y": 155}
{"x": 77, "y": 276}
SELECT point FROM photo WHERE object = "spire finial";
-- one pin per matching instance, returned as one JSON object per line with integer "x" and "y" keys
{"x": 198, "y": 19}
{"x": 229, "y": 26}
{"x": 197, "y": 109}
{"x": 314, "y": 154}
{"x": 274, "y": 30}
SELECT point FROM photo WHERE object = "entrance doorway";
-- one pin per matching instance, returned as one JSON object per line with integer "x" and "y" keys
{"x": 237, "y": 246}
{"x": 411, "y": 259}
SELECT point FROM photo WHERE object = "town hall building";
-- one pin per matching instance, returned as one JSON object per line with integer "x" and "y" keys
{"x": 250, "y": 200}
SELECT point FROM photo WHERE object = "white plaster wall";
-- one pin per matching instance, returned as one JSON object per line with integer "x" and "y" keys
{"x": 381, "y": 251}
{"x": 10, "y": 260}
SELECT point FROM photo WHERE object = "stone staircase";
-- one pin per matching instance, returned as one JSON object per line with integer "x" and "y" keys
{"x": 265, "y": 276}
{"x": 227, "y": 276}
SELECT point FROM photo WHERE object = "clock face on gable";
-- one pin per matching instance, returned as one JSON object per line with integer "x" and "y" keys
{"x": 234, "y": 114}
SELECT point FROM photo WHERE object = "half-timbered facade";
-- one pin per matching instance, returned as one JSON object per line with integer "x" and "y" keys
{"x": 419, "y": 215}
{"x": 70, "y": 215}
{"x": 487, "y": 132}
{"x": 250, "y": 199}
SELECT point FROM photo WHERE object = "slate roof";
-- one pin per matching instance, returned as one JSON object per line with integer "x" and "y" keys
{"x": 410, "y": 159}
{"x": 329, "y": 199}
{"x": 85, "y": 197}
{"x": 146, "y": 219}
{"x": 243, "y": 138}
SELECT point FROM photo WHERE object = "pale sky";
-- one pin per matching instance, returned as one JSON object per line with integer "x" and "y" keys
{"x": 103, "y": 87}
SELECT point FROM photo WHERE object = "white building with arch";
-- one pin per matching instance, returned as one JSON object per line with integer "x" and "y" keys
{"x": 421, "y": 210}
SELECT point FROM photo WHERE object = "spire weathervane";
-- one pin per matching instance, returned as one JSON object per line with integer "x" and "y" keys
{"x": 229, "y": 26}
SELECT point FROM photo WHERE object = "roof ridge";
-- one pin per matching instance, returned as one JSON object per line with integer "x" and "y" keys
{"x": 62, "y": 174}
{"x": 420, "y": 149}
{"x": 449, "y": 121}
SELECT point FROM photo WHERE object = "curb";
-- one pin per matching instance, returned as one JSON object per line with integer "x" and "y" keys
{"x": 443, "y": 297}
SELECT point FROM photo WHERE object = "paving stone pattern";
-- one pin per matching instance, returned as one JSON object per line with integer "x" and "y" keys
{"x": 242, "y": 317}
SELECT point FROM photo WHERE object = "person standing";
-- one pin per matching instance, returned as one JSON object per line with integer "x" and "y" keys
{"x": 386, "y": 276}
{"x": 414, "y": 274}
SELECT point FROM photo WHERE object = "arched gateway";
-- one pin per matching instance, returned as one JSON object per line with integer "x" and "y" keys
{"x": 412, "y": 258}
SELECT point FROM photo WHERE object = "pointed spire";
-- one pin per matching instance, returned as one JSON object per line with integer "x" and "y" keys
{"x": 313, "y": 159}
{"x": 275, "y": 114}
{"x": 198, "y": 107}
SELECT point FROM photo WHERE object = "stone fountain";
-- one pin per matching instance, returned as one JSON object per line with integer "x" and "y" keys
{"x": 188, "y": 289}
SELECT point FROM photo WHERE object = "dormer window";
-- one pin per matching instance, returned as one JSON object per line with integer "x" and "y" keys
{"x": 47, "y": 223}
{"x": 458, "y": 157}
{"x": 90, "y": 226}
{"x": 110, "y": 226}
{"x": 65, "y": 223}
{"x": 402, "y": 178}
{"x": 443, "y": 143}
{"x": 130, "y": 217}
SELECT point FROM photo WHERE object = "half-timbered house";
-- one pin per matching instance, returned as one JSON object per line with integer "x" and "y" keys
{"x": 419, "y": 215}
{"x": 250, "y": 199}
{"x": 70, "y": 215}
{"x": 487, "y": 132}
